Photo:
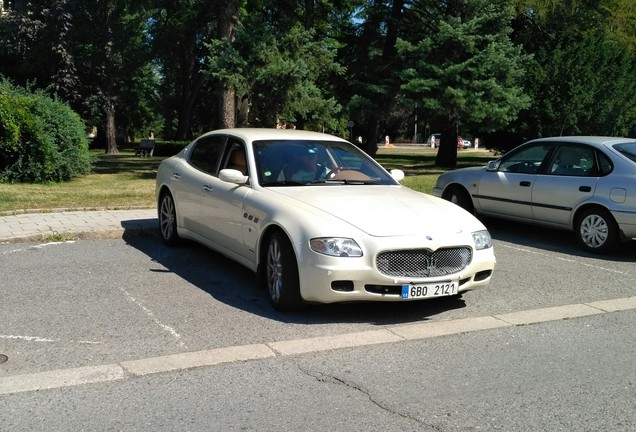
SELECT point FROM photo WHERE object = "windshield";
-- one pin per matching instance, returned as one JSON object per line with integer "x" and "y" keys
{"x": 627, "y": 149}
{"x": 303, "y": 162}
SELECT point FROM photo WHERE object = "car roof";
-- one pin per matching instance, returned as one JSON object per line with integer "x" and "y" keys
{"x": 592, "y": 140}
{"x": 255, "y": 134}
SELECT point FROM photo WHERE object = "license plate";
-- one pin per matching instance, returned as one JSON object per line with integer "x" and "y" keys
{"x": 439, "y": 289}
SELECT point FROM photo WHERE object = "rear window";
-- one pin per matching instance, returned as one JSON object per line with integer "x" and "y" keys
{"x": 627, "y": 149}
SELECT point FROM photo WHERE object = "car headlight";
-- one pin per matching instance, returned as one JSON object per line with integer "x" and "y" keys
{"x": 482, "y": 239}
{"x": 336, "y": 246}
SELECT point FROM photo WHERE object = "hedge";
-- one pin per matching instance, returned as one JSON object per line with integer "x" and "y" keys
{"x": 41, "y": 139}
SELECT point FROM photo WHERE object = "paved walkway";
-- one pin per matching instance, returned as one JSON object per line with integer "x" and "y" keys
{"x": 67, "y": 225}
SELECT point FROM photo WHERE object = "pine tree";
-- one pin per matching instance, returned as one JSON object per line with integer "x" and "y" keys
{"x": 465, "y": 71}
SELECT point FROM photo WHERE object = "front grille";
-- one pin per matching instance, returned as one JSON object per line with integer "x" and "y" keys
{"x": 418, "y": 263}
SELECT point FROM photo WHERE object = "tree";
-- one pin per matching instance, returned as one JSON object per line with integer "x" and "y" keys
{"x": 90, "y": 55}
{"x": 277, "y": 67}
{"x": 368, "y": 36}
{"x": 180, "y": 31}
{"x": 227, "y": 19}
{"x": 37, "y": 47}
{"x": 581, "y": 79}
{"x": 468, "y": 72}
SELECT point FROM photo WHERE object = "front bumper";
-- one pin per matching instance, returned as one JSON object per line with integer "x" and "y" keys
{"x": 326, "y": 279}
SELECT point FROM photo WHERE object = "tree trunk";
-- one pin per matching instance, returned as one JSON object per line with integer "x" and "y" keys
{"x": 447, "y": 153}
{"x": 227, "y": 20}
{"x": 371, "y": 142}
{"x": 189, "y": 95}
{"x": 227, "y": 108}
{"x": 310, "y": 10}
{"x": 111, "y": 135}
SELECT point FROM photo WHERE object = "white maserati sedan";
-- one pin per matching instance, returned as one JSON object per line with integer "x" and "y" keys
{"x": 318, "y": 220}
{"x": 583, "y": 184}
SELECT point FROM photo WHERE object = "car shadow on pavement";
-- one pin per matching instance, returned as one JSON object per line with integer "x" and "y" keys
{"x": 552, "y": 240}
{"x": 231, "y": 284}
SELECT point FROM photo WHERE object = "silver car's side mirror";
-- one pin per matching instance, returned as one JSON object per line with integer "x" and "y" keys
{"x": 493, "y": 165}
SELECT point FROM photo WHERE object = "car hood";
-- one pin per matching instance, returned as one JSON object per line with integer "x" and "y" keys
{"x": 383, "y": 210}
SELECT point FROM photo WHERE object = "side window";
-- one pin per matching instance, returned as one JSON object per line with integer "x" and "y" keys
{"x": 573, "y": 160}
{"x": 206, "y": 153}
{"x": 528, "y": 160}
{"x": 604, "y": 165}
{"x": 235, "y": 156}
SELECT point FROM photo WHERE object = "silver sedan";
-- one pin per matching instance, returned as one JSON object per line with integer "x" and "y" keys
{"x": 583, "y": 184}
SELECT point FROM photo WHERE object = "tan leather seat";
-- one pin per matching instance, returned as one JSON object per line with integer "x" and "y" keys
{"x": 237, "y": 161}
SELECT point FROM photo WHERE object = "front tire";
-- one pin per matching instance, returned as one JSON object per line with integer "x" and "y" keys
{"x": 597, "y": 231}
{"x": 281, "y": 274}
{"x": 168, "y": 220}
{"x": 459, "y": 196}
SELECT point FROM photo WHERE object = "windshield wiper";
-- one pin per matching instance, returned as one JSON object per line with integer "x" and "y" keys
{"x": 344, "y": 181}
{"x": 283, "y": 183}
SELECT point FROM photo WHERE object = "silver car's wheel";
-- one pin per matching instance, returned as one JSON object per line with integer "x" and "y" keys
{"x": 597, "y": 231}
{"x": 168, "y": 219}
{"x": 459, "y": 196}
{"x": 282, "y": 274}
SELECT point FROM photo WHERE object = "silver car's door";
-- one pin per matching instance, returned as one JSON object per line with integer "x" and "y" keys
{"x": 570, "y": 179}
{"x": 507, "y": 190}
{"x": 505, "y": 193}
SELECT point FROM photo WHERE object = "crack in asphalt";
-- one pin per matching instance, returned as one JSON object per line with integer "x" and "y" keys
{"x": 322, "y": 377}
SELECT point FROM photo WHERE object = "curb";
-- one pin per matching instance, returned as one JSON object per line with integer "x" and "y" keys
{"x": 131, "y": 229}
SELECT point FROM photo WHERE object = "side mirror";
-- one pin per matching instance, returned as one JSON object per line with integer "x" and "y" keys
{"x": 397, "y": 174}
{"x": 493, "y": 165}
{"x": 233, "y": 176}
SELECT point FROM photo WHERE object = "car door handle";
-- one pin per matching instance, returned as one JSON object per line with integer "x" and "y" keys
{"x": 524, "y": 183}
{"x": 585, "y": 188}
{"x": 207, "y": 188}
{"x": 176, "y": 176}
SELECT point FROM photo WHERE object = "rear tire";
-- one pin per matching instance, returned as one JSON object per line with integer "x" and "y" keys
{"x": 281, "y": 274}
{"x": 597, "y": 231}
{"x": 168, "y": 219}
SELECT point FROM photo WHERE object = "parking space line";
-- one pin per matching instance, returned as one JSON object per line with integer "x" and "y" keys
{"x": 391, "y": 334}
{"x": 152, "y": 316}
{"x": 569, "y": 260}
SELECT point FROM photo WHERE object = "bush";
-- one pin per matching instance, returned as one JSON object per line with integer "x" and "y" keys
{"x": 41, "y": 139}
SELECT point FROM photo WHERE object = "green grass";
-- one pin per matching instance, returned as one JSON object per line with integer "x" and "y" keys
{"x": 119, "y": 181}
{"x": 419, "y": 164}
{"x": 124, "y": 181}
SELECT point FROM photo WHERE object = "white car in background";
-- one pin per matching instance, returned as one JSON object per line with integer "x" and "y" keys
{"x": 583, "y": 184}
{"x": 318, "y": 220}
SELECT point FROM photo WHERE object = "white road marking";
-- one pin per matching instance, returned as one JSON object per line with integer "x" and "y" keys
{"x": 152, "y": 316}
{"x": 37, "y": 246}
{"x": 28, "y": 338}
{"x": 569, "y": 260}
{"x": 391, "y": 334}
{"x": 44, "y": 339}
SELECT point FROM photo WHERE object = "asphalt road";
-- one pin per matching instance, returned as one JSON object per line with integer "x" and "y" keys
{"x": 80, "y": 305}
